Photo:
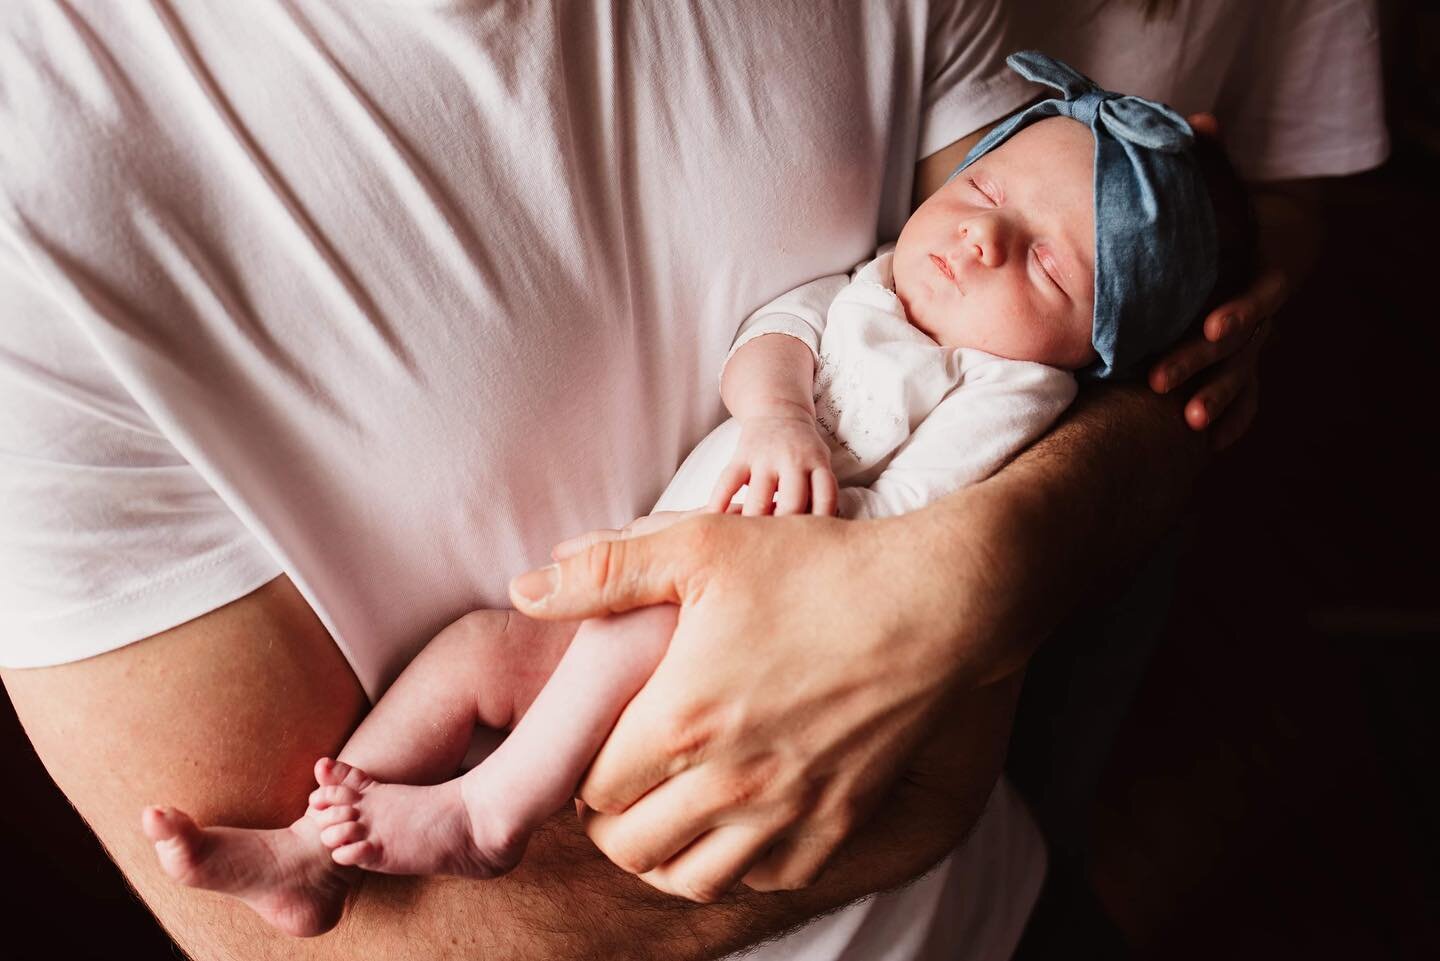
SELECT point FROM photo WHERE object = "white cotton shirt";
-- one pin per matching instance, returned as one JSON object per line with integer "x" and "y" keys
{"x": 1295, "y": 84}
{"x": 907, "y": 421}
{"x": 391, "y": 297}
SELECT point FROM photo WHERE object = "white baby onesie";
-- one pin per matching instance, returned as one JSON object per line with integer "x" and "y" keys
{"x": 907, "y": 420}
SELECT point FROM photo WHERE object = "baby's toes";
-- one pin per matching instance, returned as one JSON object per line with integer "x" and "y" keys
{"x": 344, "y": 833}
{"x": 328, "y": 796}
{"x": 323, "y": 818}
{"x": 360, "y": 854}
{"x": 331, "y": 772}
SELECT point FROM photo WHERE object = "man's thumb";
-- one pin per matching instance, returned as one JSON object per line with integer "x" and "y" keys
{"x": 607, "y": 577}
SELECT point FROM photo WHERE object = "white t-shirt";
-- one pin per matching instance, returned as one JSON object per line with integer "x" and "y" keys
{"x": 390, "y": 297}
{"x": 907, "y": 421}
{"x": 1295, "y": 84}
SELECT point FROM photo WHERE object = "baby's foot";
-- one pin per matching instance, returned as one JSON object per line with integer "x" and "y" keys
{"x": 286, "y": 875}
{"x": 403, "y": 829}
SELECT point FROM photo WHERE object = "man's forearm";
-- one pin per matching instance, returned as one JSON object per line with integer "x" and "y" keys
{"x": 1067, "y": 515}
{"x": 566, "y": 901}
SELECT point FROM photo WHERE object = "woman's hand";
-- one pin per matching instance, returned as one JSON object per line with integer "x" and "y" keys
{"x": 778, "y": 453}
{"x": 779, "y": 715}
{"x": 1287, "y": 217}
{"x": 1229, "y": 350}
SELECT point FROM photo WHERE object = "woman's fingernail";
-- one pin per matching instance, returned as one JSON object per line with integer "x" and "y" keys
{"x": 538, "y": 585}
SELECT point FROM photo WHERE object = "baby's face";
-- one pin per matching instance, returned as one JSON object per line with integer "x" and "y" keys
{"x": 1002, "y": 257}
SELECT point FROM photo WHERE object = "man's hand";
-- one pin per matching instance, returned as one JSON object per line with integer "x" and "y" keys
{"x": 226, "y": 714}
{"x": 779, "y": 453}
{"x": 777, "y": 717}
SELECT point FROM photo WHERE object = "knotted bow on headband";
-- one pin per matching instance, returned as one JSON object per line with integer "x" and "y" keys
{"x": 1155, "y": 247}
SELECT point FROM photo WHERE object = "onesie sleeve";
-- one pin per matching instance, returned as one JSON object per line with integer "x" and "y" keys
{"x": 967, "y": 84}
{"x": 107, "y": 534}
{"x": 1308, "y": 100}
{"x": 799, "y": 313}
{"x": 1000, "y": 408}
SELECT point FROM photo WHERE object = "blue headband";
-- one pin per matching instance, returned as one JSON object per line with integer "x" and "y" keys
{"x": 1155, "y": 246}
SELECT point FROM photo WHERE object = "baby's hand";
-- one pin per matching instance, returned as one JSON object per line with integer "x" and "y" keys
{"x": 781, "y": 454}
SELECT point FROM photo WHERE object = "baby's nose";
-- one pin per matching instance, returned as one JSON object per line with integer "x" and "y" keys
{"x": 985, "y": 241}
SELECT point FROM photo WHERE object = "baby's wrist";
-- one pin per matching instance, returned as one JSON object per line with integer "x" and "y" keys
{"x": 777, "y": 408}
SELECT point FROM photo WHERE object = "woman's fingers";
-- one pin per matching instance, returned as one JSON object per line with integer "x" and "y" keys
{"x": 1226, "y": 330}
{"x": 1188, "y": 359}
{"x": 1238, "y": 418}
{"x": 1239, "y": 317}
{"x": 1230, "y": 378}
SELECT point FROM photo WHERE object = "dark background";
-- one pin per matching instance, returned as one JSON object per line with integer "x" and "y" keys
{"x": 1272, "y": 793}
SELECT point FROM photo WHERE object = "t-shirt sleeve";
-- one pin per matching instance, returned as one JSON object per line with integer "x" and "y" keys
{"x": 967, "y": 84}
{"x": 107, "y": 534}
{"x": 1310, "y": 100}
{"x": 798, "y": 313}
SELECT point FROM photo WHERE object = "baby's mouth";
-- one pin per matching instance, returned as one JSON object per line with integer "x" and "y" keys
{"x": 944, "y": 267}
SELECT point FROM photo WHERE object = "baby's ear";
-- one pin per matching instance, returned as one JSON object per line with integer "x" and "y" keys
{"x": 1204, "y": 124}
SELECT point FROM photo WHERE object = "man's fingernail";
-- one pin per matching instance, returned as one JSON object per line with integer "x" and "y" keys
{"x": 537, "y": 586}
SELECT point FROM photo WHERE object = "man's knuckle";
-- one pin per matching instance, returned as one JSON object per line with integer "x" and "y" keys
{"x": 599, "y": 561}
{"x": 686, "y": 736}
{"x": 603, "y": 801}
{"x": 705, "y": 890}
{"x": 793, "y": 879}
{"x": 630, "y": 859}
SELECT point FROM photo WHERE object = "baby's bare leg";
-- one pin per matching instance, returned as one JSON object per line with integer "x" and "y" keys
{"x": 478, "y": 825}
{"x": 484, "y": 668}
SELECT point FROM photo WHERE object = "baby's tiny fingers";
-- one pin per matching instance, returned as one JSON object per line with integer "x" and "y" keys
{"x": 760, "y": 498}
{"x": 824, "y": 492}
{"x": 794, "y": 493}
{"x": 731, "y": 480}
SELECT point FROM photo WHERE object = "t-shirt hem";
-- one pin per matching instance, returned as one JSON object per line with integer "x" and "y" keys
{"x": 1340, "y": 160}
{"x": 207, "y": 582}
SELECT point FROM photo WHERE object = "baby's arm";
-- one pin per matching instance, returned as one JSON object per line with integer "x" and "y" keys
{"x": 768, "y": 386}
{"x": 999, "y": 409}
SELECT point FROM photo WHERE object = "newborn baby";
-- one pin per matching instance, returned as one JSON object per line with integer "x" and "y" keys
{"x": 1078, "y": 237}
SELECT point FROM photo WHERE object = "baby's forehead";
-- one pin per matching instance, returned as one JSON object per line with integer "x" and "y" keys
{"x": 1054, "y": 136}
